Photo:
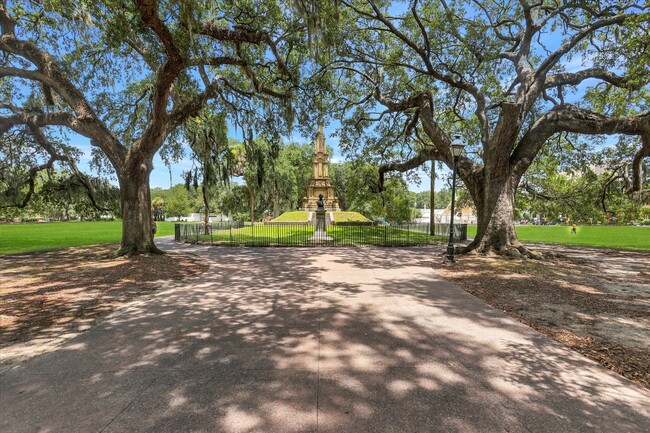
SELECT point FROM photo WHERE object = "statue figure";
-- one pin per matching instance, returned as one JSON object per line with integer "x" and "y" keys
{"x": 320, "y": 202}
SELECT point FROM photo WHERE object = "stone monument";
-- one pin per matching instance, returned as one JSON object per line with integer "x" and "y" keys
{"x": 320, "y": 185}
{"x": 320, "y": 234}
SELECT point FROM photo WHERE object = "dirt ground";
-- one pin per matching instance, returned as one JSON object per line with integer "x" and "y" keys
{"x": 49, "y": 296}
{"x": 595, "y": 301}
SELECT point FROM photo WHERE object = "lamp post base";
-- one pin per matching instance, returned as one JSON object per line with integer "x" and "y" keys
{"x": 449, "y": 257}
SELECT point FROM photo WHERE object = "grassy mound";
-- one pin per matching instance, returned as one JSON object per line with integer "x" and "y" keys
{"x": 293, "y": 217}
{"x": 344, "y": 217}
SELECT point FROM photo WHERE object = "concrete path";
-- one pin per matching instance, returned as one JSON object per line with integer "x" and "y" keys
{"x": 316, "y": 340}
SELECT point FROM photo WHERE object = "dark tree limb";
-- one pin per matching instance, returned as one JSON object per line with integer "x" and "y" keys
{"x": 242, "y": 34}
{"x": 166, "y": 74}
{"x": 426, "y": 154}
{"x": 555, "y": 57}
{"x": 567, "y": 118}
{"x": 576, "y": 78}
{"x": 643, "y": 152}
{"x": 54, "y": 156}
{"x": 50, "y": 73}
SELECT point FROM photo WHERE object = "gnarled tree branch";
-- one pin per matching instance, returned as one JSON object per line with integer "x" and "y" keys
{"x": 567, "y": 118}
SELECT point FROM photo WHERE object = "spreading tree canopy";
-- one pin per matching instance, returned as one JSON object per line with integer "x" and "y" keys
{"x": 508, "y": 75}
{"x": 127, "y": 74}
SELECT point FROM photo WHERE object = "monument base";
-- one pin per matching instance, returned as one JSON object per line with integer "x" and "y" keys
{"x": 320, "y": 235}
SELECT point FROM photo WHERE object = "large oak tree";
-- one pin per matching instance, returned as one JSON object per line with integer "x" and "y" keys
{"x": 507, "y": 75}
{"x": 127, "y": 74}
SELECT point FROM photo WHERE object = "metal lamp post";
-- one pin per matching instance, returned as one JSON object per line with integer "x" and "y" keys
{"x": 456, "y": 148}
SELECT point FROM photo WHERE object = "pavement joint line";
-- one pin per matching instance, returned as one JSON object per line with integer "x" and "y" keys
{"x": 158, "y": 375}
{"x": 146, "y": 388}
{"x": 320, "y": 300}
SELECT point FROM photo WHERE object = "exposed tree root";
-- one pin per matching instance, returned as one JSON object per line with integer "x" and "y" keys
{"x": 513, "y": 251}
{"x": 130, "y": 250}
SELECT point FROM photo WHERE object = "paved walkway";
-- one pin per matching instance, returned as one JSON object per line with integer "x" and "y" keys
{"x": 306, "y": 340}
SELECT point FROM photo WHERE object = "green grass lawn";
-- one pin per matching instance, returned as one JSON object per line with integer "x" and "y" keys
{"x": 617, "y": 237}
{"x": 261, "y": 234}
{"x": 23, "y": 238}
{"x": 381, "y": 235}
{"x": 292, "y": 217}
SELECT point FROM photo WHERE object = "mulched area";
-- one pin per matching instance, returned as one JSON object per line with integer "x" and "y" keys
{"x": 595, "y": 301}
{"x": 46, "y": 294}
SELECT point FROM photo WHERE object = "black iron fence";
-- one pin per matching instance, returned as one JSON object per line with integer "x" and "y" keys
{"x": 460, "y": 231}
{"x": 259, "y": 234}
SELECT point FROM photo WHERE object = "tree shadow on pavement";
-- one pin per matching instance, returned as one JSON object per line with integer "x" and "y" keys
{"x": 332, "y": 340}
{"x": 46, "y": 294}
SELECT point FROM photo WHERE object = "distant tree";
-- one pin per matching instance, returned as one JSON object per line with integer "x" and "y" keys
{"x": 246, "y": 167}
{"x": 158, "y": 208}
{"x": 27, "y": 156}
{"x": 442, "y": 198}
{"x": 208, "y": 139}
{"x": 235, "y": 201}
{"x": 178, "y": 203}
{"x": 356, "y": 187}
{"x": 586, "y": 186}
{"x": 63, "y": 195}
{"x": 286, "y": 178}
{"x": 256, "y": 162}
{"x": 422, "y": 199}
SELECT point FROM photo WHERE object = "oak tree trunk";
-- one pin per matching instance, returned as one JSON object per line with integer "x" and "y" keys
{"x": 495, "y": 232}
{"x": 432, "y": 196}
{"x": 135, "y": 202}
{"x": 206, "y": 205}
{"x": 493, "y": 191}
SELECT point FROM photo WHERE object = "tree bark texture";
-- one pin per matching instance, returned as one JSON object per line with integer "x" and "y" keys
{"x": 135, "y": 202}
{"x": 493, "y": 190}
{"x": 206, "y": 204}
{"x": 432, "y": 196}
{"x": 495, "y": 229}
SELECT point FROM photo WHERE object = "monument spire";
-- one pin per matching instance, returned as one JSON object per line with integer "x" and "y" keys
{"x": 320, "y": 179}
{"x": 320, "y": 139}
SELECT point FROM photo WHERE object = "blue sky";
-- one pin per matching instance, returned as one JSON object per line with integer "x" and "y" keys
{"x": 160, "y": 176}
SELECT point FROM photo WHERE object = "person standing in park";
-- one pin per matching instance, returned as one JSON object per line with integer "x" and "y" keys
{"x": 573, "y": 229}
